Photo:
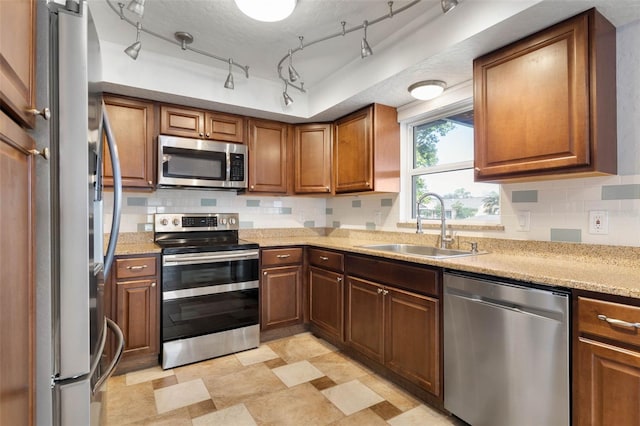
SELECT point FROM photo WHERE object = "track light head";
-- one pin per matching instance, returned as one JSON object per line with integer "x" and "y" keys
{"x": 447, "y": 5}
{"x": 228, "y": 84}
{"x": 288, "y": 100}
{"x": 365, "y": 49}
{"x": 133, "y": 50}
{"x": 293, "y": 74}
{"x": 137, "y": 7}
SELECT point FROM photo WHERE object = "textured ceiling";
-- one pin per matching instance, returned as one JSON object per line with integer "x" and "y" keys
{"x": 220, "y": 28}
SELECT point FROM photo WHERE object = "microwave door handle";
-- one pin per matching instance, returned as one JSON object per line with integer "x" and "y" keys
{"x": 117, "y": 192}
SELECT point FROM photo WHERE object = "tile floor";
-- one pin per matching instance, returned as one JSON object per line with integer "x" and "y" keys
{"x": 298, "y": 380}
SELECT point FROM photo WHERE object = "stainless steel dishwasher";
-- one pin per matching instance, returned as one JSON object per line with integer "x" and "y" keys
{"x": 506, "y": 353}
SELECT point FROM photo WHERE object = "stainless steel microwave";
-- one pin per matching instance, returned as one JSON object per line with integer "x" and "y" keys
{"x": 199, "y": 163}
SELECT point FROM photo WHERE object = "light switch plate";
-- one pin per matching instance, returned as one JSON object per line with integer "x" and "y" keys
{"x": 598, "y": 222}
{"x": 524, "y": 220}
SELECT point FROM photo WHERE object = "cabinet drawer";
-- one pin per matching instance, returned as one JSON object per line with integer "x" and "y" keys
{"x": 326, "y": 259}
{"x": 283, "y": 256}
{"x": 421, "y": 279}
{"x": 590, "y": 309}
{"x": 135, "y": 267}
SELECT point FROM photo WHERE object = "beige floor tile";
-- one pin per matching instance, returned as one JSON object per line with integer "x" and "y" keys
{"x": 180, "y": 395}
{"x": 296, "y": 406}
{"x": 418, "y": 416}
{"x": 236, "y": 415}
{"x": 175, "y": 418}
{"x": 128, "y": 404}
{"x": 296, "y": 373}
{"x": 300, "y": 347}
{"x": 147, "y": 375}
{"x": 209, "y": 368}
{"x": 352, "y": 396}
{"x": 392, "y": 393}
{"x": 361, "y": 418}
{"x": 338, "y": 367}
{"x": 254, "y": 356}
{"x": 251, "y": 382}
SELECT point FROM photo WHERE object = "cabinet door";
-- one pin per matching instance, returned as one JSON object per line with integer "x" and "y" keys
{"x": 224, "y": 127}
{"x": 281, "y": 297}
{"x": 326, "y": 302}
{"x": 137, "y": 315}
{"x": 608, "y": 385}
{"x": 132, "y": 122}
{"x": 267, "y": 156}
{"x": 364, "y": 322}
{"x": 312, "y": 158}
{"x": 17, "y": 244}
{"x": 535, "y": 110}
{"x": 17, "y": 59}
{"x": 353, "y": 150}
{"x": 412, "y": 338}
{"x": 186, "y": 122}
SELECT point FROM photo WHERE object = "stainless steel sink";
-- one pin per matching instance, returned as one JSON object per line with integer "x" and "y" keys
{"x": 419, "y": 250}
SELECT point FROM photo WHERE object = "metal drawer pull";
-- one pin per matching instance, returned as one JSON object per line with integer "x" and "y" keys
{"x": 618, "y": 322}
{"x": 136, "y": 268}
{"x": 379, "y": 291}
{"x": 283, "y": 256}
{"x": 324, "y": 258}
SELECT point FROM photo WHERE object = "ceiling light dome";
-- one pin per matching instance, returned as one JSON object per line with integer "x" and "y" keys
{"x": 266, "y": 10}
{"x": 428, "y": 89}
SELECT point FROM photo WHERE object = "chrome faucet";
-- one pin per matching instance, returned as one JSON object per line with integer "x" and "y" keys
{"x": 443, "y": 227}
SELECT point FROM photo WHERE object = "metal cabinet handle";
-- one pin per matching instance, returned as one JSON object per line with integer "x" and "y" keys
{"x": 201, "y": 134}
{"x": 153, "y": 284}
{"x": 385, "y": 292}
{"x": 44, "y": 153}
{"x": 264, "y": 273}
{"x": 618, "y": 322}
{"x": 324, "y": 258}
{"x": 339, "y": 279}
{"x": 150, "y": 183}
{"x": 136, "y": 268}
{"x": 283, "y": 256}
{"x": 44, "y": 112}
{"x": 379, "y": 291}
{"x": 207, "y": 134}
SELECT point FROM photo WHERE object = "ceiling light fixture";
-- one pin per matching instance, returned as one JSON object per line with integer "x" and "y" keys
{"x": 428, "y": 89}
{"x": 365, "y": 49}
{"x": 182, "y": 38}
{"x": 134, "y": 49}
{"x": 228, "y": 84}
{"x": 137, "y": 7}
{"x": 447, "y": 5}
{"x": 287, "y": 99}
{"x": 293, "y": 74}
{"x": 266, "y": 10}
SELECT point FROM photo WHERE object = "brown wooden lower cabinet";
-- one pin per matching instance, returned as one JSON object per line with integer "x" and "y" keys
{"x": 326, "y": 302}
{"x": 396, "y": 328}
{"x": 607, "y": 363}
{"x": 281, "y": 297}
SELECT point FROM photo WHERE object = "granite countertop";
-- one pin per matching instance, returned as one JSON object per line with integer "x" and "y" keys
{"x": 604, "y": 269}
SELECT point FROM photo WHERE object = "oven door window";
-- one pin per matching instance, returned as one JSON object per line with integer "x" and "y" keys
{"x": 200, "y": 315}
{"x": 194, "y": 164}
{"x": 191, "y": 276}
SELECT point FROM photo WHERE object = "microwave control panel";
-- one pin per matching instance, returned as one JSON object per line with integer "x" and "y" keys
{"x": 236, "y": 167}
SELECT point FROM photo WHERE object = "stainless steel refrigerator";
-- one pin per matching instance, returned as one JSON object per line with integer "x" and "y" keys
{"x": 79, "y": 325}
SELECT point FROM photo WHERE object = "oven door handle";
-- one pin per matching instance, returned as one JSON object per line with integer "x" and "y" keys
{"x": 192, "y": 259}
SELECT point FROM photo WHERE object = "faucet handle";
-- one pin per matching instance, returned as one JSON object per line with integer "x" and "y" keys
{"x": 474, "y": 246}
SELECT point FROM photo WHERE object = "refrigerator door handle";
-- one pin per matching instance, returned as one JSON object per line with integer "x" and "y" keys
{"x": 116, "y": 358}
{"x": 117, "y": 192}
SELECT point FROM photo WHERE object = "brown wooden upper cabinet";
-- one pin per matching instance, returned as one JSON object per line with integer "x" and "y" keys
{"x": 366, "y": 151}
{"x": 312, "y": 146}
{"x": 199, "y": 124}
{"x": 268, "y": 152}
{"x": 546, "y": 105}
{"x": 17, "y": 60}
{"x": 132, "y": 122}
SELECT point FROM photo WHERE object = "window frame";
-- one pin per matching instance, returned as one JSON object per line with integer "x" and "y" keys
{"x": 407, "y": 196}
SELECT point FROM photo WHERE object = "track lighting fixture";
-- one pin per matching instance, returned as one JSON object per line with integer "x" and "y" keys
{"x": 287, "y": 99}
{"x": 365, "y": 49}
{"x": 428, "y": 89}
{"x": 137, "y": 7}
{"x": 447, "y": 5}
{"x": 293, "y": 74}
{"x": 134, "y": 49}
{"x": 228, "y": 84}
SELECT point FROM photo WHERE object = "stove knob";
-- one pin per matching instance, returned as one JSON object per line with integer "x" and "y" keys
{"x": 223, "y": 221}
{"x": 176, "y": 221}
{"x": 232, "y": 220}
{"x": 164, "y": 222}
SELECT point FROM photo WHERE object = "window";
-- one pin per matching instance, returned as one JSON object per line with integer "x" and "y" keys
{"x": 441, "y": 161}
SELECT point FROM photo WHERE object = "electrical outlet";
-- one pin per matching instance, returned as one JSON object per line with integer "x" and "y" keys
{"x": 524, "y": 220}
{"x": 598, "y": 222}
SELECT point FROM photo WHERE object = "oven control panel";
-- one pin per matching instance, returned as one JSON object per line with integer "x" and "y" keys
{"x": 180, "y": 222}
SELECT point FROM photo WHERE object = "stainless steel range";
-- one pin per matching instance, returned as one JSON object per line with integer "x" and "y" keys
{"x": 209, "y": 287}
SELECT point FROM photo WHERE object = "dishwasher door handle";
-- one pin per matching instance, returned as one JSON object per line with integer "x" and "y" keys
{"x": 497, "y": 305}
